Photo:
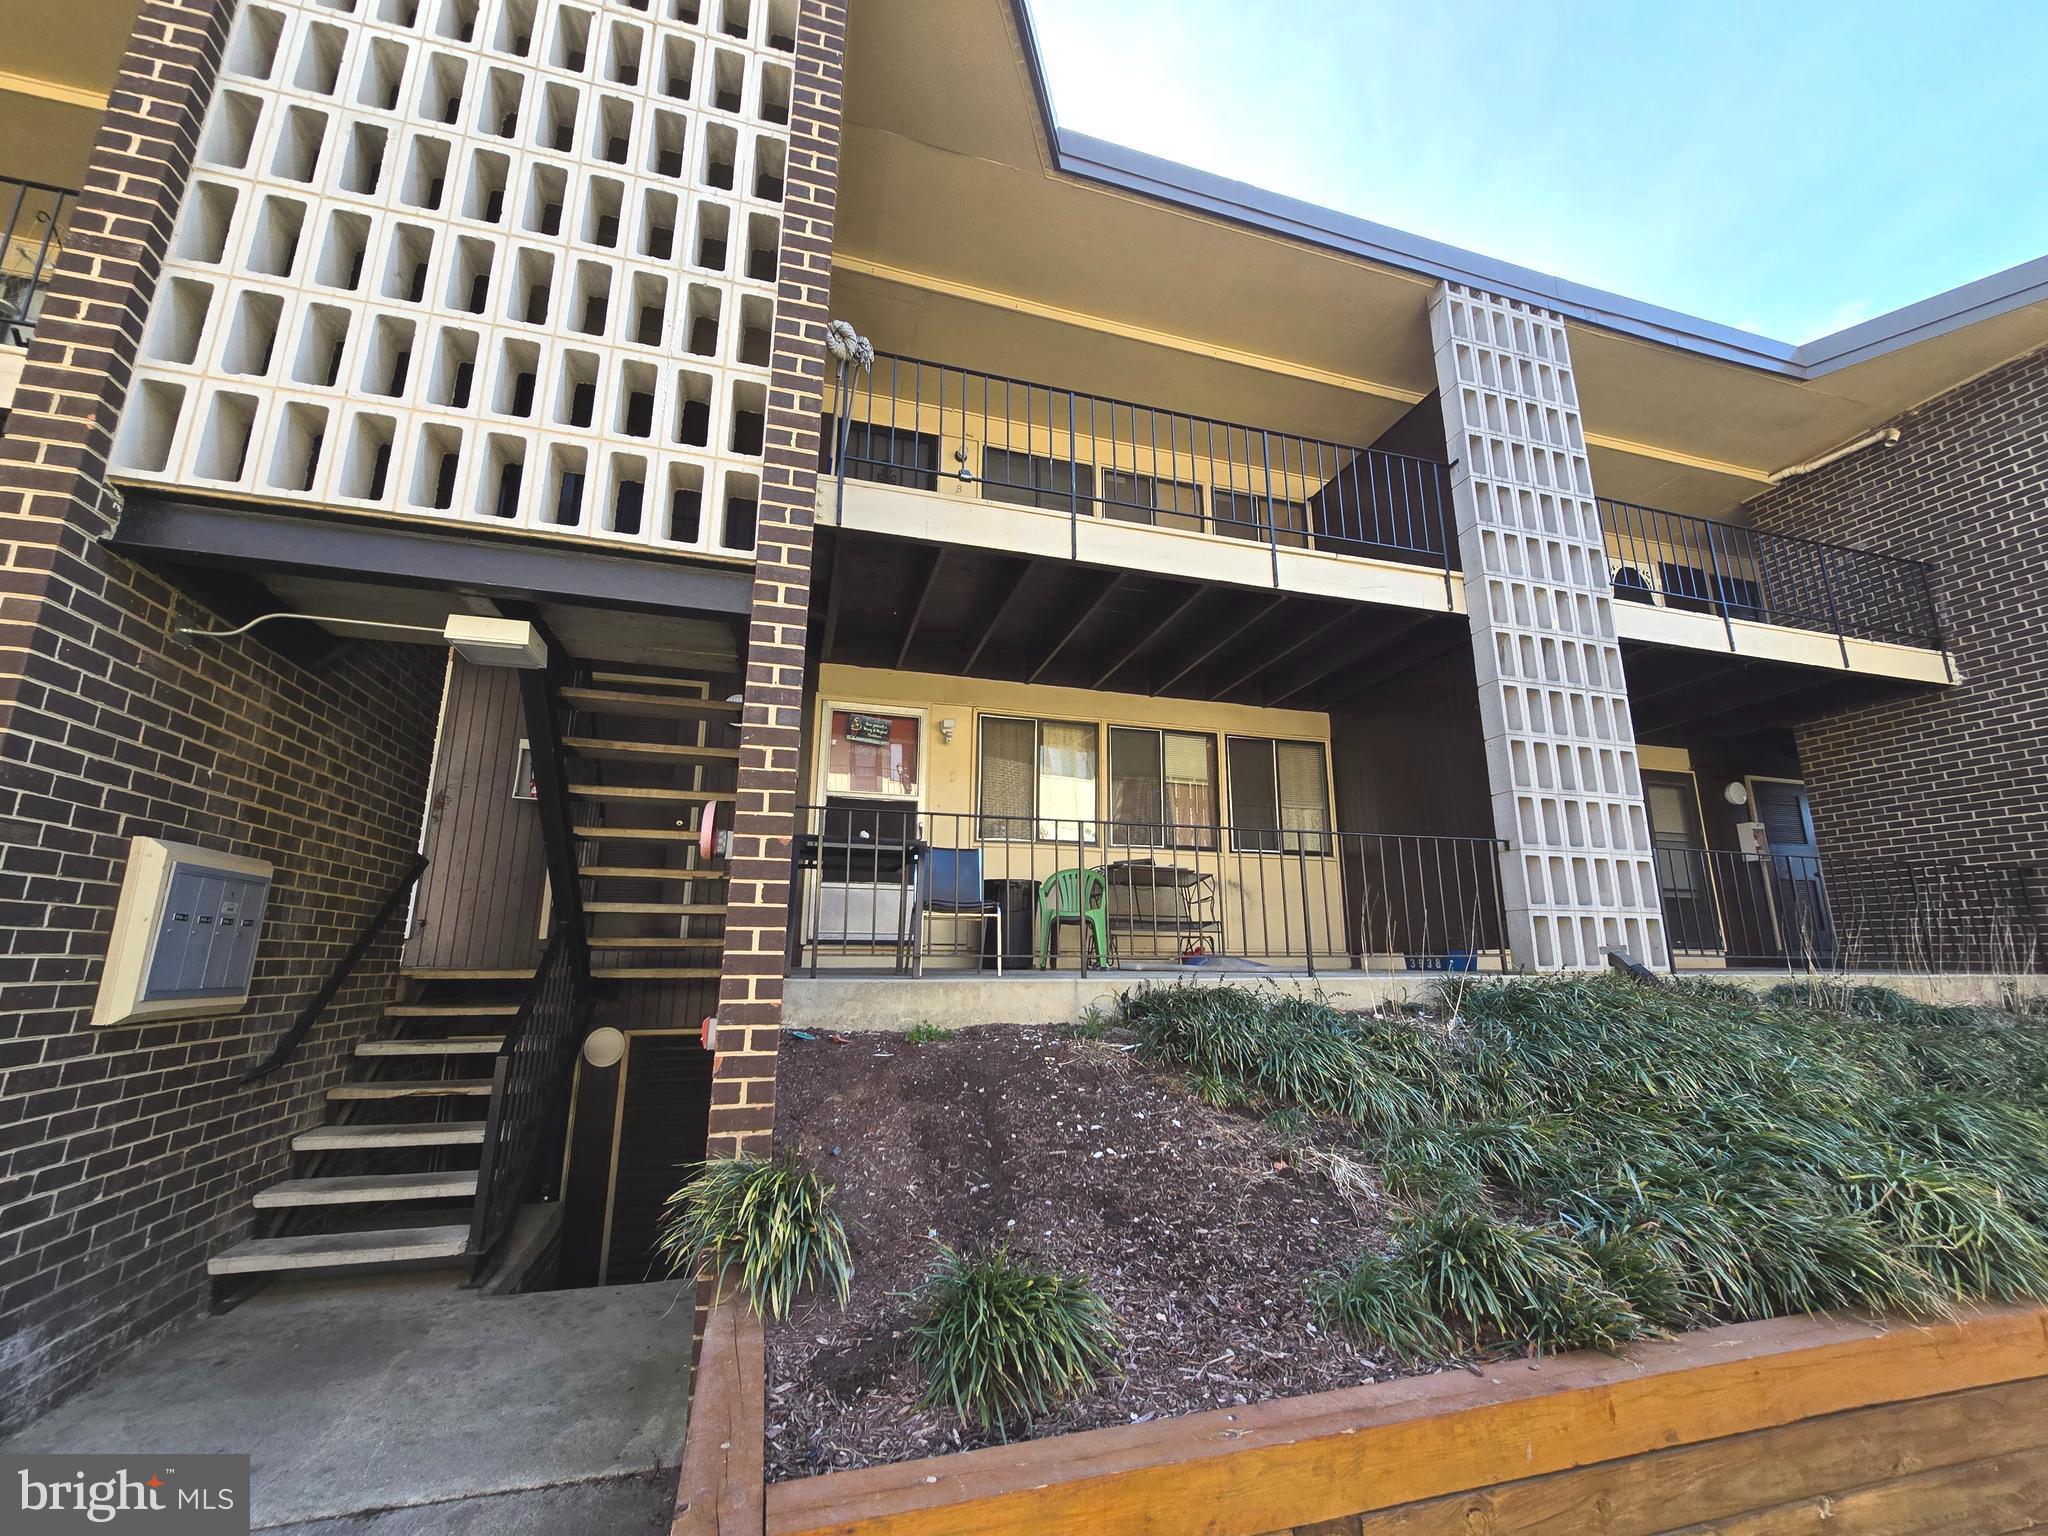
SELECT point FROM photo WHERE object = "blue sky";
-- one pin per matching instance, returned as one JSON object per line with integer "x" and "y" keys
{"x": 1787, "y": 168}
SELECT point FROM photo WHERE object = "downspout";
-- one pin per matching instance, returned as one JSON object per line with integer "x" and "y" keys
{"x": 1888, "y": 436}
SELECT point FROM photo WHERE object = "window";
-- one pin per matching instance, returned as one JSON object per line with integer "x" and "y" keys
{"x": 1148, "y": 499}
{"x": 1692, "y": 589}
{"x": 1278, "y": 799}
{"x": 872, "y": 754}
{"x": 1162, "y": 788}
{"x": 1035, "y": 480}
{"x": 1037, "y": 780}
{"x": 1242, "y": 515}
{"x": 884, "y": 454}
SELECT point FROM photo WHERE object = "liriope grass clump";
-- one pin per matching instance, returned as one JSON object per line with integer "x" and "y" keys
{"x": 1579, "y": 1160}
{"x": 768, "y": 1222}
{"x": 1001, "y": 1339}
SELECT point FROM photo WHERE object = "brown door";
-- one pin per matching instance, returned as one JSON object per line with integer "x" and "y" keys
{"x": 1684, "y": 874}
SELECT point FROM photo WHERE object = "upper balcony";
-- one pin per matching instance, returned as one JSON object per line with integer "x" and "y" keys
{"x": 37, "y": 218}
{"x": 53, "y": 94}
{"x": 957, "y": 457}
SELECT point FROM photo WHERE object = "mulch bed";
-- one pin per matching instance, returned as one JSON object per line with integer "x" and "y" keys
{"x": 1190, "y": 1221}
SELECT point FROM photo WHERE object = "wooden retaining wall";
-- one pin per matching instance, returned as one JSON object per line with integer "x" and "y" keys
{"x": 1809, "y": 1424}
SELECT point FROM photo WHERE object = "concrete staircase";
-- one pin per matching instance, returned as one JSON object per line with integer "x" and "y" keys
{"x": 391, "y": 1178}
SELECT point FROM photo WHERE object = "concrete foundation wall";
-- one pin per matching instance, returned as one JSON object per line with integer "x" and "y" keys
{"x": 855, "y": 1003}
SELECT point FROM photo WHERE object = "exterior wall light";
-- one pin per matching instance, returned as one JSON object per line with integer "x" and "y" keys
{"x": 489, "y": 642}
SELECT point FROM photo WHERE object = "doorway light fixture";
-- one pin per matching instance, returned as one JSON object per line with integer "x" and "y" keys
{"x": 489, "y": 642}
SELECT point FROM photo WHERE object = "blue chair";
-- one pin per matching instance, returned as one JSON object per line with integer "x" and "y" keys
{"x": 951, "y": 887}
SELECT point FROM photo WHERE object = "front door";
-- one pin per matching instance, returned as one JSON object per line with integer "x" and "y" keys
{"x": 1805, "y": 930}
{"x": 1684, "y": 880}
{"x": 868, "y": 834}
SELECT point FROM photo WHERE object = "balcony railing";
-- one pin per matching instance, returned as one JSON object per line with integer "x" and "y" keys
{"x": 1790, "y": 911}
{"x": 876, "y": 887}
{"x": 924, "y": 425}
{"x": 1732, "y": 572}
{"x": 37, "y": 219}
{"x": 913, "y": 423}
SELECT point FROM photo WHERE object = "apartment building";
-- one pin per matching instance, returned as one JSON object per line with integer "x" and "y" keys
{"x": 550, "y": 529}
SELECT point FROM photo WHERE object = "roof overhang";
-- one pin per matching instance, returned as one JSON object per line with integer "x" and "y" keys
{"x": 974, "y": 231}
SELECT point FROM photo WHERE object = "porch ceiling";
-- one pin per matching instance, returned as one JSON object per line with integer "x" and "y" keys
{"x": 1684, "y": 698}
{"x": 602, "y": 605}
{"x": 901, "y": 603}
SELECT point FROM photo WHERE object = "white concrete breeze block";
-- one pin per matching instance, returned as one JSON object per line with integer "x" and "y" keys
{"x": 1560, "y": 745}
{"x": 501, "y": 262}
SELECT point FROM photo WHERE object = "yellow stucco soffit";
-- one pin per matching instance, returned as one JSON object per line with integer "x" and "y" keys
{"x": 902, "y": 277}
{"x": 52, "y": 90}
{"x": 1674, "y": 456}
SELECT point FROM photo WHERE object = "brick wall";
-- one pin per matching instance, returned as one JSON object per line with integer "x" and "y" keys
{"x": 125, "y": 1157}
{"x": 1960, "y": 774}
{"x": 757, "y": 895}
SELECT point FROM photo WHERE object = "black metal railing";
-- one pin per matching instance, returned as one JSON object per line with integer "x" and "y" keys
{"x": 923, "y": 425}
{"x": 1800, "y": 913}
{"x": 295, "y": 1033}
{"x": 914, "y": 423}
{"x": 1731, "y": 572}
{"x": 37, "y": 218}
{"x": 876, "y": 887}
{"x": 530, "y": 1080}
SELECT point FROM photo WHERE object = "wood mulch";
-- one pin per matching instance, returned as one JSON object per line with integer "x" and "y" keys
{"x": 1193, "y": 1223}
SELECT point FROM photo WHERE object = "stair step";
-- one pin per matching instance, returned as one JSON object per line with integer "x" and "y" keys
{"x": 365, "y": 1188}
{"x": 603, "y": 834}
{"x": 412, "y": 1088}
{"x": 649, "y": 792}
{"x": 411, "y": 973}
{"x": 461, "y": 1045}
{"x": 646, "y": 943}
{"x": 424, "y": 1133}
{"x": 654, "y": 973}
{"x": 330, "y": 1250}
{"x": 646, "y": 680}
{"x": 648, "y": 751}
{"x": 635, "y": 872}
{"x": 645, "y": 706}
{"x": 450, "y": 1010}
{"x": 658, "y": 908}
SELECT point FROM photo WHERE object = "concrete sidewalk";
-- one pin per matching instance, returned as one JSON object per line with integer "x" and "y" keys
{"x": 412, "y": 1407}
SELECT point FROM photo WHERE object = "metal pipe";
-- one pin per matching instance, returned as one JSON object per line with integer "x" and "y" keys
{"x": 1888, "y": 436}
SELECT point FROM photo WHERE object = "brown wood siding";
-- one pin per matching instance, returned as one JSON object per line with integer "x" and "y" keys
{"x": 480, "y": 899}
{"x": 1408, "y": 758}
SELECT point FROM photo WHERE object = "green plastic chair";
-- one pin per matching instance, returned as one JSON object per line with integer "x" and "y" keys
{"x": 1076, "y": 896}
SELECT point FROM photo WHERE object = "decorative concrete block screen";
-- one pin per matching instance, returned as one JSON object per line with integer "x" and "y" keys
{"x": 1560, "y": 747}
{"x": 503, "y": 262}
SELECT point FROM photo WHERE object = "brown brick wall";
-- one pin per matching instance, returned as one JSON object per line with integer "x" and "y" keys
{"x": 1959, "y": 774}
{"x": 125, "y": 1156}
{"x": 757, "y": 916}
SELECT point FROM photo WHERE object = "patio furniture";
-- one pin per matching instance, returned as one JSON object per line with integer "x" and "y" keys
{"x": 862, "y": 889}
{"x": 951, "y": 886}
{"x": 1081, "y": 897}
{"x": 1168, "y": 901}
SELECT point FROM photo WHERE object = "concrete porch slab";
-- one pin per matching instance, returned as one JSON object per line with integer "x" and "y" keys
{"x": 952, "y": 998}
{"x": 354, "y": 1399}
